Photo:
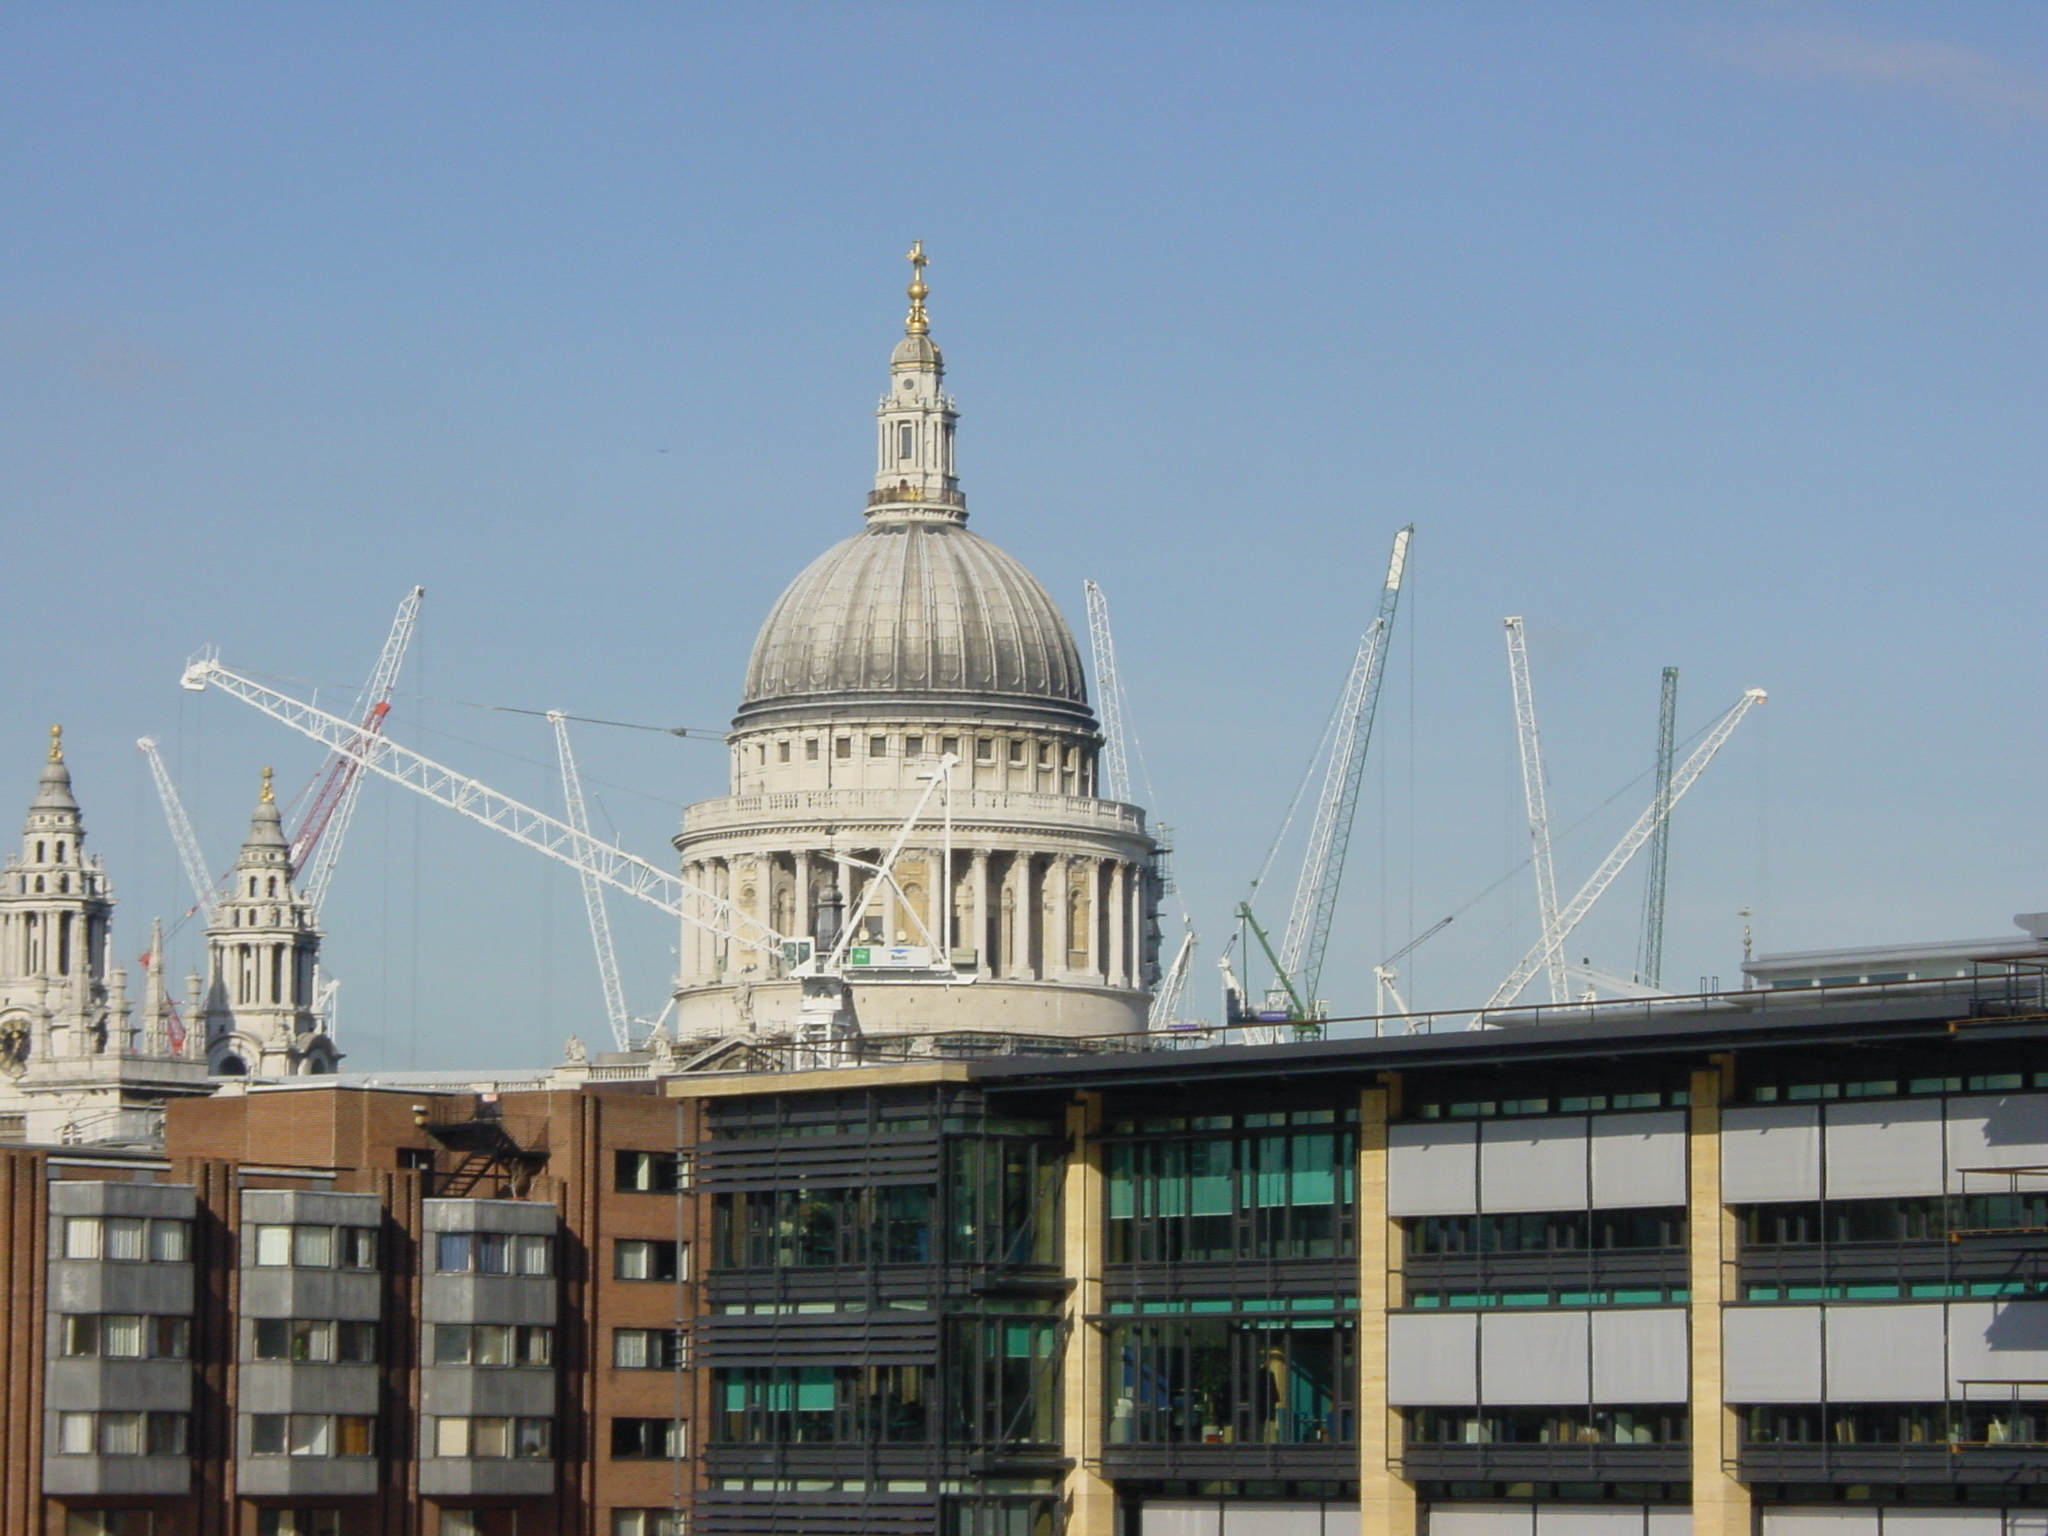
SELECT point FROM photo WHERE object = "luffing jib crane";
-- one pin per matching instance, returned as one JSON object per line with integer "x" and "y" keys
{"x": 593, "y": 891}
{"x": 1533, "y": 796}
{"x": 197, "y": 871}
{"x": 316, "y": 842}
{"x": 1660, "y": 809}
{"x": 1298, "y": 962}
{"x": 1116, "y": 764}
{"x": 1650, "y": 964}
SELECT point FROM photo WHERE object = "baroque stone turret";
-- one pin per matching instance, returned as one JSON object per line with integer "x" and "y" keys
{"x": 73, "y": 1066}
{"x": 262, "y": 948}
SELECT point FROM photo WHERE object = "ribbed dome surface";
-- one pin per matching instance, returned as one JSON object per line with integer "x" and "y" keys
{"x": 910, "y": 611}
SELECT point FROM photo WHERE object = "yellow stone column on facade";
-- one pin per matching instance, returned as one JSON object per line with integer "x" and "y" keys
{"x": 1090, "y": 1499}
{"x": 1386, "y": 1500}
{"x": 1720, "y": 1501}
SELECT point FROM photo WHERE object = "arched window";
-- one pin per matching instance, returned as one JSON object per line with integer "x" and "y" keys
{"x": 60, "y": 850}
{"x": 273, "y": 890}
{"x": 232, "y": 1065}
{"x": 39, "y": 852}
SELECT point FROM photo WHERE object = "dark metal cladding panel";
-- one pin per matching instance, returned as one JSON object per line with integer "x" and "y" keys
{"x": 1563, "y": 1463}
{"x": 870, "y": 1338}
{"x": 796, "y": 1161}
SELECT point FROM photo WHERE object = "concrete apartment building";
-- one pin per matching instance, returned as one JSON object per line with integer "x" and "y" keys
{"x": 1771, "y": 1263}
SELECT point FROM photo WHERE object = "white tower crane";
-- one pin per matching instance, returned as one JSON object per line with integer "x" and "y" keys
{"x": 593, "y": 891}
{"x": 197, "y": 870}
{"x": 1560, "y": 928}
{"x": 1533, "y": 797}
{"x": 824, "y": 988}
{"x": 1116, "y": 763}
{"x": 316, "y": 843}
{"x": 1299, "y": 962}
{"x": 1170, "y": 996}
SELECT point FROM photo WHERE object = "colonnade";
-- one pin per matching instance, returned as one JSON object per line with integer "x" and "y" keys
{"x": 1082, "y": 918}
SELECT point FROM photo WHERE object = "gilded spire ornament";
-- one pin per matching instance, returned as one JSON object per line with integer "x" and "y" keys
{"x": 917, "y": 323}
{"x": 56, "y": 743}
{"x": 268, "y": 797}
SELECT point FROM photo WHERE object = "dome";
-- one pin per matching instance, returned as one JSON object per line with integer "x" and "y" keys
{"x": 912, "y": 614}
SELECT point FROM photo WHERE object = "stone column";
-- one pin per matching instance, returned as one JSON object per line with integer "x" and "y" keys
{"x": 800, "y": 896}
{"x": 1720, "y": 1500}
{"x": 1386, "y": 1500}
{"x": 977, "y": 908}
{"x": 1119, "y": 924}
{"x": 1090, "y": 1497}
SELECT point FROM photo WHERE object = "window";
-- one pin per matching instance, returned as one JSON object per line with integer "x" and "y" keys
{"x": 649, "y": 1439}
{"x": 878, "y": 746}
{"x": 949, "y": 746}
{"x": 984, "y": 750}
{"x": 462, "y": 1522}
{"x": 810, "y": 749}
{"x": 308, "y": 1247}
{"x": 782, "y": 751}
{"x": 119, "y": 1336}
{"x": 1208, "y": 1380}
{"x": 492, "y": 1253}
{"x": 127, "y": 1239}
{"x": 494, "y": 1439}
{"x": 1261, "y": 1193}
{"x": 298, "y": 1522}
{"x": 1016, "y": 752}
{"x": 824, "y": 1228}
{"x": 312, "y": 1434}
{"x": 646, "y": 1522}
{"x": 1575, "y": 1425}
{"x": 644, "y": 1259}
{"x": 906, "y": 438}
{"x": 648, "y": 1349}
{"x": 828, "y": 1405}
{"x": 842, "y": 747}
{"x": 913, "y": 746}
{"x": 109, "y": 1522}
{"x": 651, "y": 1172}
{"x": 492, "y": 1344}
{"x": 315, "y": 1339}
{"x": 121, "y": 1434}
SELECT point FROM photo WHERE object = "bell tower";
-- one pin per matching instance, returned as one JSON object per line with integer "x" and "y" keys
{"x": 54, "y": 911}
{"x": 262, "y": 946}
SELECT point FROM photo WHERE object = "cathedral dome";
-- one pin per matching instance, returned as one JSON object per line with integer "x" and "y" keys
{"x": 911, "y": 614}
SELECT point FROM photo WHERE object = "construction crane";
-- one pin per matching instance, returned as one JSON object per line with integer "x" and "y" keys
{"x": 196, "y": 868}
{"x": 823, "y": 1012}
{"x": 1298, "y": 963}
{"x": 316, "y": 842}
{"x": 1534, "y": 799}
{"x": 1116, "y": 765}
{"x": 535, "y": 829}
{"x": 1650, "y": 963}
{"x": 1385, "y": 975}
{"x": 1170, "y": 996}
{"x": 593, "y": 891}
{"x": 1560, "y": 928}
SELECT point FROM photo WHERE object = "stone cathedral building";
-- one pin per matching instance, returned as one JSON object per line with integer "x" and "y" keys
{"x": 914, "y": 640}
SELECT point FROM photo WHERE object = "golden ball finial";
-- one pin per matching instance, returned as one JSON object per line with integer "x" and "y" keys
{"x": 917, "y": 323}
{"x": 269, "y": 798}
{"x": 56, "y": 743}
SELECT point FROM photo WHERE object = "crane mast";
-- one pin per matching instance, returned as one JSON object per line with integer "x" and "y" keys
{"x": 1660, "y": 810}
{"x": 203, "y": 883}
{"x": 316, "y": 844}
{"x": 1307, "y": 937}
{"x": 1650, "y": 965}
{"x": 1534, "y": 798}
{"x": 593, "y": 890}
{"x": 1116, "y": 763}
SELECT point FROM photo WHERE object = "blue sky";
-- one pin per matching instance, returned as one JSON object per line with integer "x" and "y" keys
{"x": 1699, "y": 335}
